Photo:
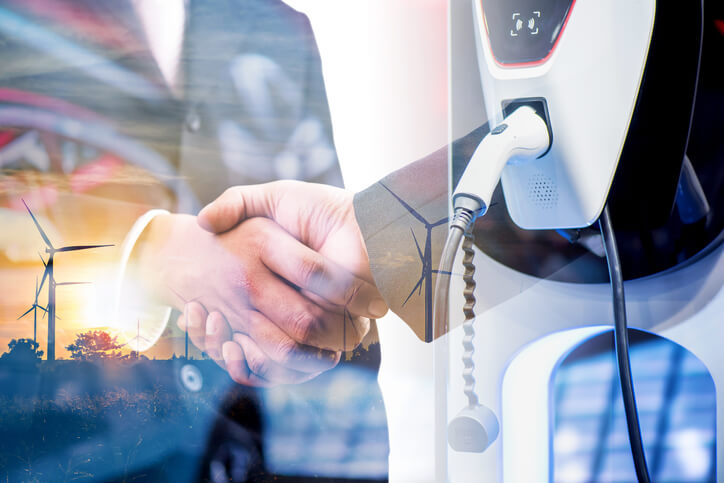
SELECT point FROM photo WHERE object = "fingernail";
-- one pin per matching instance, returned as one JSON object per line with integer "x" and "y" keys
{"x": 377, "y": 308}
{"x": 212, "y": 325}
{"x": 191, "y": 320}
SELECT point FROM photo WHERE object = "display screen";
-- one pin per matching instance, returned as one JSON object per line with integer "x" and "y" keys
{"x": 524, "y": 31}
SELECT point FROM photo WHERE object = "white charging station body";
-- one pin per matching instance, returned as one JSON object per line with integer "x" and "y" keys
{"x": 590, "y": 87}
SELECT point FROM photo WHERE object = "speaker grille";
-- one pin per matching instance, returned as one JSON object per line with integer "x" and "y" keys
{"x": 542, "y": 191}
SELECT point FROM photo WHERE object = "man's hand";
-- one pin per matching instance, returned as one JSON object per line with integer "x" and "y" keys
{"x": 265, "y": 285}
{"x": 319, "y": 216}
{"x": 322, "y": 218}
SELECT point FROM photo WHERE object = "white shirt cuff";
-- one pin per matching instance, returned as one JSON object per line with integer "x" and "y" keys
{"x": 129, "y": 243}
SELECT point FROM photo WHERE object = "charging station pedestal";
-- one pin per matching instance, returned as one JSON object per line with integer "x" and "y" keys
{"x": 526, "y": 325}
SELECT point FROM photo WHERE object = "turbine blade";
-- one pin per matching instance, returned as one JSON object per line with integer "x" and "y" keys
{"x": 26, "y": 313}
{"x": 42, "y": 233}
{"x": 419, "y": 251}
{"x": 418, "y": 284}
{"x": 42, "y": 259}
{"x": 439, "y": 222}
{"x": 80, "y": 247}
{"x": 42, "y": 308}
{"x": 73, "y": 283}
{"x": 45, "y": 275}
{"x": 407, "y": 207}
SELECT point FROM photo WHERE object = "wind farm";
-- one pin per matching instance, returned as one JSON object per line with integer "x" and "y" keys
{"x": 48, "y": 274}
{"x": 34, "y": 309}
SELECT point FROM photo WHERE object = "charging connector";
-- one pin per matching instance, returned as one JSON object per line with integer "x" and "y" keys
{"x": 522, "y": 136}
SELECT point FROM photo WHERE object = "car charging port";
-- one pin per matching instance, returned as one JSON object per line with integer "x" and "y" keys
{"x": 539, "y": 105}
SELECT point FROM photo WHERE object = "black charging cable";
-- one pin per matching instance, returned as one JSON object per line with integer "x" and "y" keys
{"x": 620, "y": 334}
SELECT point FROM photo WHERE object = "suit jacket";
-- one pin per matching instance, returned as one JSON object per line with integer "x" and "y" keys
{"x": 92, "y": 138}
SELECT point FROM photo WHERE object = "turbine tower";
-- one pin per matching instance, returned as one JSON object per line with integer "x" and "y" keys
{"x": 186, "y": 320}
{"x": 138, "y": 339}
{"x": 48, "y": 273}
{"x": 34, "y": 309}
{"x": 427, "y": 269}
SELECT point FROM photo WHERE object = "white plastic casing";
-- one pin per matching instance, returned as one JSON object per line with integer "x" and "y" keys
{"x": 522, "y": 137}
{"x": 590, "y": 84}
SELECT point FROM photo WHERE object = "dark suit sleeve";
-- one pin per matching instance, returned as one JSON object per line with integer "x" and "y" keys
{"x": 403, "y": 219}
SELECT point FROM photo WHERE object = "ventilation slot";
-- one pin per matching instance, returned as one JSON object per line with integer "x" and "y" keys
{"x": 542, "y": 191}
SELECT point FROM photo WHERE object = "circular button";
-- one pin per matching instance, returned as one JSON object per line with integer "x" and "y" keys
{"x": 192, "y": 378}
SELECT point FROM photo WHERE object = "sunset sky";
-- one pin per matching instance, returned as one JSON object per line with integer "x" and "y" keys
{"x": 80, "y": 307}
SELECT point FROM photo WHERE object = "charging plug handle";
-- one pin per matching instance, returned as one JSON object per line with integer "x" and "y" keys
{"x": 522, "y": 136}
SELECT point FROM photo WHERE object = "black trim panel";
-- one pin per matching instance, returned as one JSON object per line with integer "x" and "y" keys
{"x": 644, "y": 188}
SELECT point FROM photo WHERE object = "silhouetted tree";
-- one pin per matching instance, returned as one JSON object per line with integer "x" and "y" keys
{"x": 94, "y": 345}
{"x": 22, "y": 352}
{"x": 134, "y": 356}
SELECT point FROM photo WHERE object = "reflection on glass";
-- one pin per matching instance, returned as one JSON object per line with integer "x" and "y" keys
{"x": 677, "y": 407}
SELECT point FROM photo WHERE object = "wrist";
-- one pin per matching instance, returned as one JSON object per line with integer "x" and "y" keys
{"x": 157, "y": 252}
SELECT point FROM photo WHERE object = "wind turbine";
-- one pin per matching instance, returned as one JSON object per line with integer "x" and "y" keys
{"x": 34, "y": 308}
{"x": 425, "y": 259}
{"x": 48, "y": 273}
{"x": 186, "y": 319}
{"x": 138, "y": 338}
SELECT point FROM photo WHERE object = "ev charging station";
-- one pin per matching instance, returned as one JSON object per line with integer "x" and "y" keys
{"x": 618, "y": 116}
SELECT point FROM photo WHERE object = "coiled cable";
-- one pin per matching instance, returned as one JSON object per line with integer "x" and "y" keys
{"x": 469, "y": 311}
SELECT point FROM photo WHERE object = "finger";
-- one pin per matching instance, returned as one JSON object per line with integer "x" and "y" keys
{"x": 360, "y": 325}
{"x": 280, "y": 347}
{"x": 194, "y": 320}
{"x": 267, "y": 369}
{"x": 217, "y": 332}
{"x": 325, "y": 304}
{"x": 235, "y": 205}
{"x": 310, "y": 271}
{"x": 301, "y": 319}
{"x": 235, "y": 362}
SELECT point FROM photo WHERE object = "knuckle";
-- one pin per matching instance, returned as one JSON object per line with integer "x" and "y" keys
{"x": 282, "y": 184}
{"x": 258, "y": 365}
{"x": 243, "y": 284}
{"x": 230, "y": 192}
{"x": 311, "y": 272}
{"x": 304, "y": 326}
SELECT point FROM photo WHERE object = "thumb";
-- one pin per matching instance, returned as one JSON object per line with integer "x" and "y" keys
{"x": 235, "y": 205}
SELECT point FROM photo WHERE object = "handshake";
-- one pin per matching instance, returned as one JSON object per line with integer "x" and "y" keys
{"x": 273, "y": 280}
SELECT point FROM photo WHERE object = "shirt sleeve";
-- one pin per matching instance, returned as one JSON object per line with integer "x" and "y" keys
{"x": 133, "y": 304}
{"x": 403, "y": 219}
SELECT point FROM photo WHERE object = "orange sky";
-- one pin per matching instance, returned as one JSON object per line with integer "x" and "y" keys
{"x": 81, "y": 307}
